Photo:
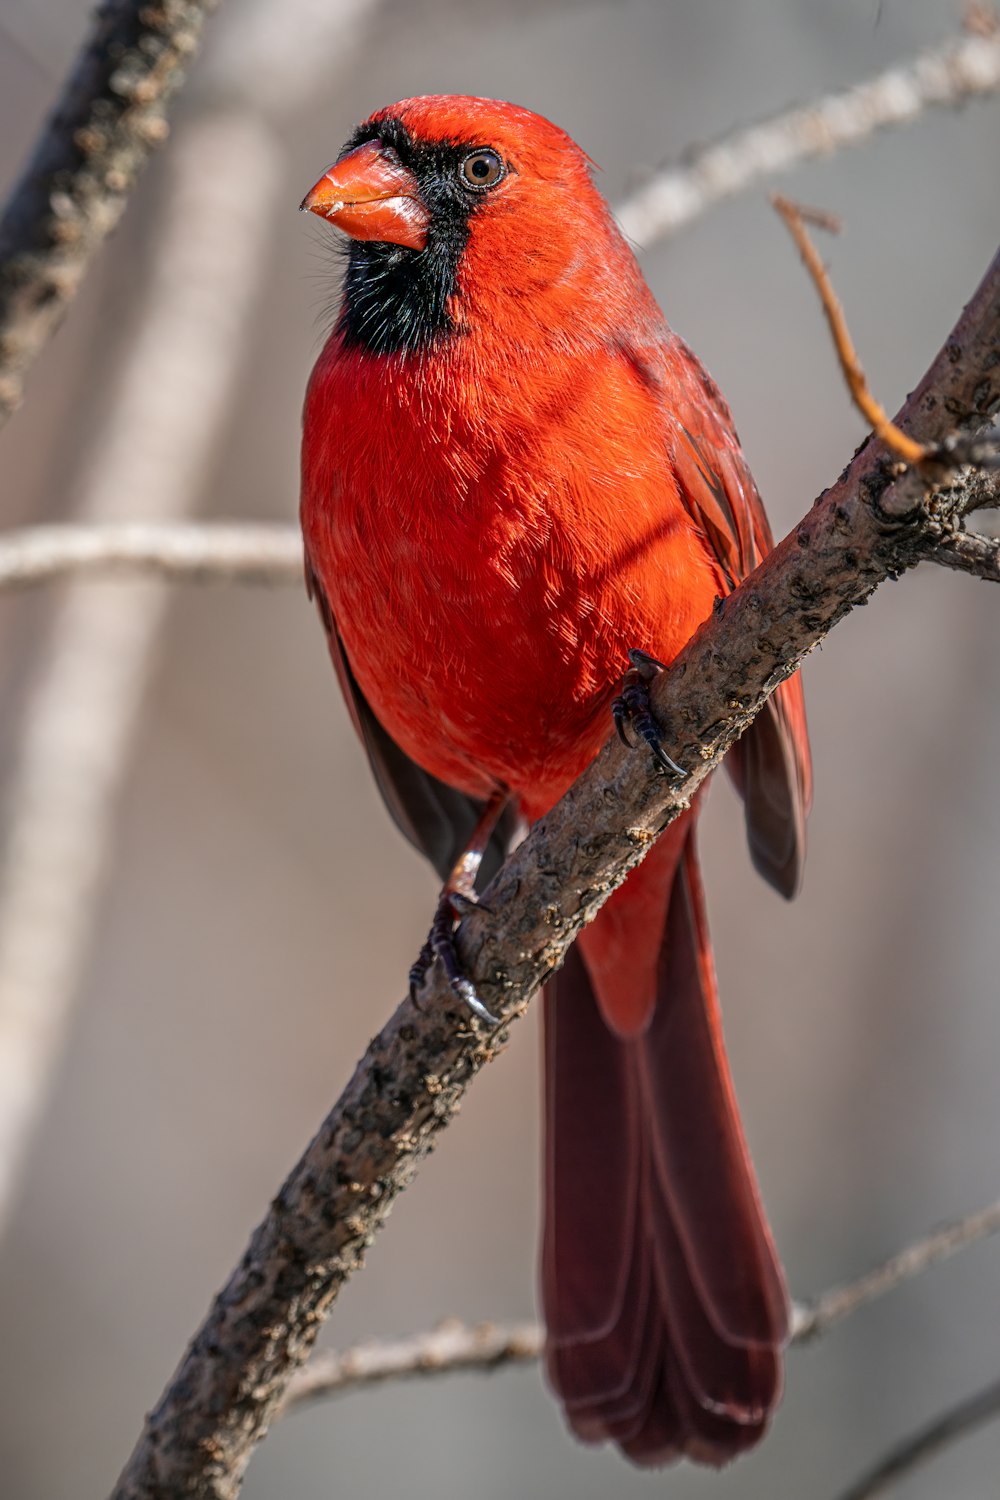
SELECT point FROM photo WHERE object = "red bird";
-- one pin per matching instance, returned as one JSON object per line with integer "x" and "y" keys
{"x": 513, "y": 472}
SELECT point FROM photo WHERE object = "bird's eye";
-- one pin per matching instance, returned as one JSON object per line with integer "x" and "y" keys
{"x": 481, "y": 169}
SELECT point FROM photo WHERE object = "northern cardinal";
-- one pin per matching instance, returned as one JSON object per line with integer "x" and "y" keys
{"x": 513, "y": 472}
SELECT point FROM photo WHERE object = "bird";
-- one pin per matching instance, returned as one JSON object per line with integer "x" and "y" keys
{"x": 515, "y": 474}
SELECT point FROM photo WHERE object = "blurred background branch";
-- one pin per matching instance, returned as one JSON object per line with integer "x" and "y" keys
{"x": 947, "y": 76}
{"x": 110, "y": 114}
{"x": 957, "y": 1423}
{"x": 191, "y": 551}
{"x": 454, "y": 1346}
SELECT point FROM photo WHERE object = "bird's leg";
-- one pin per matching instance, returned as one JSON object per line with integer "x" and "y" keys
{"x": 631, "y": 707}
{"x": 457, "y": 898}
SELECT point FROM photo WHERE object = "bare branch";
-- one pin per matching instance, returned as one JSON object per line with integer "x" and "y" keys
{"x": 812, "y": 1319}
{"x": 192, "y": 552}
{"x": 451, "y": 1346}
{"x": 929, "y": 1441}
{"x": 980, "y": 490}
{"x": 897, "y": 441}
{"x": 416, "y": 1070}
{"x": 968, "y": 552}
{"x": 454, "y": 1345}
{"x": 111, "y": 113}
{"x": 943, "y": 77}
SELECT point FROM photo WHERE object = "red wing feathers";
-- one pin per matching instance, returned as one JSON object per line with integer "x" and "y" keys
{"x": 771, "y": 765}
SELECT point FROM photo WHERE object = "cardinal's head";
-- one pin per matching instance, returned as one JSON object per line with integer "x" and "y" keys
{"x": 462, "y": 210}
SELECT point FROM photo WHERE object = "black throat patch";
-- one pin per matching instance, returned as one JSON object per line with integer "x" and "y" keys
{"x": 396, "y": 299}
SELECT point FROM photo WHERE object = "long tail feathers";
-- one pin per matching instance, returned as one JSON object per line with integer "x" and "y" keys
{"x": 664, "y": 1300}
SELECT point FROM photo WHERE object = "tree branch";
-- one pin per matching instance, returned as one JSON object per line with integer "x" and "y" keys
{"x": 968, "y": 552}
{"x": 929, "y": 1441}
{"x": 111, "y": 113}
{"x": 199, "y": 1439}
{"x": 943, "y": 77}
{"x": 443, "y": 1350}
{"x": 194, "y": 552}
{"x": 812, "y": 1319}
{"x": 454, "y": 1345}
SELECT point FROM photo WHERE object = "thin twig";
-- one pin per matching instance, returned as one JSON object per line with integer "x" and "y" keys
{"x": 946, "y": 76}
{"x": 109, "y": 116}
{"x": 449, "y": 1347}
{"x": 408, "y": 1086}
{"x": 192, "y": 552}
{"x": 927, "y": 1443}
{"x": 812, "y": 1319}
{"x": 897, "y": 441}
{"x": 454, "y": 1345}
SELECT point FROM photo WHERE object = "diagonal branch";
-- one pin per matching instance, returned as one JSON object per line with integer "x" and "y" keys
{"x": 946, "y": 76}
{"x": 927, "y": 1443}
{"x": 110, "y": 115}
{"x": 200, "y": 1437}
{"x": 454, "y": 1345}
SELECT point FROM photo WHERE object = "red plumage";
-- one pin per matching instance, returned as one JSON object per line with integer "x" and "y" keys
{"x": 513, "y": 472}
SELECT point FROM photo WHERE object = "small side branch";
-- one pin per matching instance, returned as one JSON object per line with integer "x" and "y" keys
{"x": 110, "y": 115}
{"x": 450, "y": 1347}
{"x": 895, "y": 439}
{"x": 968, "y": 552}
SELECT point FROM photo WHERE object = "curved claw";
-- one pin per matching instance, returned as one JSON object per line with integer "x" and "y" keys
{"x": 619, "y": 713}
{"x": 631, "y": 707}
{"x": 664, "y": 762}
{"x": 440, "y": 944}
{"x": 466, "y": 990}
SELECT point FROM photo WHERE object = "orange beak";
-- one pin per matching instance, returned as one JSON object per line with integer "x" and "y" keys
{"x": 371, "y": 196}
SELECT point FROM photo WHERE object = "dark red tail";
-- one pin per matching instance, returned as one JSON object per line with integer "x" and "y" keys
{"x": 664, "y": 1299}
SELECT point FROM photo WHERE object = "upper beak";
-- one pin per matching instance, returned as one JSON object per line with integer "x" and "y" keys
{"x": 371, "y": 196}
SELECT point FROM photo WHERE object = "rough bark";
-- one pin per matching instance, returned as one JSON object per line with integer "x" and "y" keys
{"x": 110, "y": 115}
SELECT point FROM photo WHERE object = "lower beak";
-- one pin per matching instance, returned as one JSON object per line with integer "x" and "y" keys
{"x": 371, "y": 196}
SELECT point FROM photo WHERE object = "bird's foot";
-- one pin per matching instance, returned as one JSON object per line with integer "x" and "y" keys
{"x": 451, "y": 908}
{"x": 631, "y": 709}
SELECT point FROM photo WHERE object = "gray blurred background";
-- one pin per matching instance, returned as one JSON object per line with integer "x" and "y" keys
{"x": 260, "y": 912}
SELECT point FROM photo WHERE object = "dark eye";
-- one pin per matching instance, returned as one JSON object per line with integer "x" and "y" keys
{"x": 481, "y": 169}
